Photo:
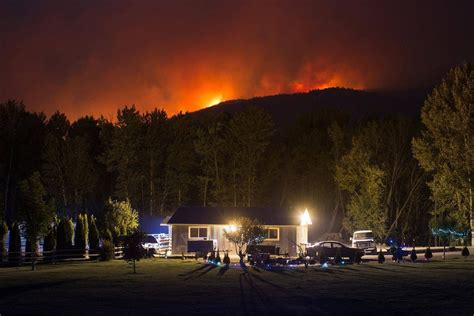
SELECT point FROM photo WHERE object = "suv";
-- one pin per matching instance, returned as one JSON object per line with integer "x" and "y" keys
{"x": 364, "y": 239}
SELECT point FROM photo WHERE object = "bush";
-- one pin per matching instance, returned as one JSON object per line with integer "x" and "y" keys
{"x": 107, "y": 251}
{"x": 413, "y": 255}
{"x": 465, "y": 252}
{"x": 14, "y": 249}
{"x": 93, "y": 234}
{"x": 428, "y": 253}
{"x": 3, "y": 236}
{"x": 381, "y": 257}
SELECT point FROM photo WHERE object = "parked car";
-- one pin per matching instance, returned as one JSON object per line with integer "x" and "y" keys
{"x": 330, "y": 249}
{"x": 364, "y": 239}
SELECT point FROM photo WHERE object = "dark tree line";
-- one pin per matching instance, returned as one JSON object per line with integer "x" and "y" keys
{"x": 381, "y": 172}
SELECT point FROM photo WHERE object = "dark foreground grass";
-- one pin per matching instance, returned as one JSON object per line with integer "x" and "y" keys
{"x": 187, "y": 287}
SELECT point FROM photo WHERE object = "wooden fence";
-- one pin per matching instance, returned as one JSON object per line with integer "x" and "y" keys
{"x": 55, "y": 256}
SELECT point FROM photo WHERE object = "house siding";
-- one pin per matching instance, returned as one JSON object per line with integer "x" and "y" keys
{"x": 179, "y": 235}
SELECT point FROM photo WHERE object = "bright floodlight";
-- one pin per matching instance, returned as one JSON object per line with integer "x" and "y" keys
{"x": 231, "y": 228}
{"x": 305, "y": 219}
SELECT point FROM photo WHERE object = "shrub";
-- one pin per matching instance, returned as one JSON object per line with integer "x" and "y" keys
{"x": 14, "y": 249}
{"x": 107, "y": 251}
{"x": 413, "y": 255}
{"x": 465, "y": 252}
{"x": 381, "y": 257}
{"x": 93, "y": 234}
{"x": 3, "y": 236}
{"x": 428, "y": 253}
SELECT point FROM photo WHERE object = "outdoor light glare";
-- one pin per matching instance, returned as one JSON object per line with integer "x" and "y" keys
{"x": 305, "y": 219}
{"x": 231, "y": 228}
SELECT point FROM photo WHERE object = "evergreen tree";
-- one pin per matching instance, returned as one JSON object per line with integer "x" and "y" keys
{"x": 33, "y": 211}
{"x": 65, "y": 234}
{"x": 49, "y": 244}
{"x": 445, "y": 148}
{"x": 21, "y": 140}
{"x": 14, "y": 247}
{"x": 123, "y": 155}
{"x": 3, "y": 236}
{"x": 93, "y": 234}
{"x": 248, "y": 136}
{"x": 82, "y": 232}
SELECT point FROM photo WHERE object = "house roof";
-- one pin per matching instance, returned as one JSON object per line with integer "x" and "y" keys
{"x": 225, "y": 215}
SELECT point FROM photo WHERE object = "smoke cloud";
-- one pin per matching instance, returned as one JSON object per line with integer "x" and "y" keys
{"x": 91, "y": 57}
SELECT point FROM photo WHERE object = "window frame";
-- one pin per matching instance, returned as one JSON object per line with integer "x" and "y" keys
{"x": 198, "y": 228}
{"x": 267, "y": 229}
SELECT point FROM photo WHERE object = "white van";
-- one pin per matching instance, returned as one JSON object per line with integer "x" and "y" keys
{"x": 364, "y": 239}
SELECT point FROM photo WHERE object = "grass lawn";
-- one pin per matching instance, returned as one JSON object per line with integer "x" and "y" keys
{"x": 188, "y": 287}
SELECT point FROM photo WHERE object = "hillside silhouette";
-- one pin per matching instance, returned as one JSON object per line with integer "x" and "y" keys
{"x": 286, "y": 108}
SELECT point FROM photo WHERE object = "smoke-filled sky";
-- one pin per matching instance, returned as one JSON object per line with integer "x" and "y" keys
{"x": 91, "y": 57}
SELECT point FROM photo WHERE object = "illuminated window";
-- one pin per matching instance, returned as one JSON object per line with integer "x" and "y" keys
{"x": 198, "y": 232}
{"x": 272, "y": 234}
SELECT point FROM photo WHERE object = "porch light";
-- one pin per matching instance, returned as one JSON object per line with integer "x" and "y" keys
{"x": 305, "y": 220}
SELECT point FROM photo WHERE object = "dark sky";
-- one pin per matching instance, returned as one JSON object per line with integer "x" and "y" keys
{"x": 91, "y": 57}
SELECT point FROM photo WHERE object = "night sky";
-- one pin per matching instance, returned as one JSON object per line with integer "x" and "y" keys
{"x": 91, "y": 57}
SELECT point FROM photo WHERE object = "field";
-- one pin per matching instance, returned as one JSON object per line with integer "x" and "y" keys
{"x": 188, "y": 287}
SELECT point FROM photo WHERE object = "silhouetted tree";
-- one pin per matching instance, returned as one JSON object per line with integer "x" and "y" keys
{"x": 3, "y": 236}
{"x": 133, "y": 249}
{"x": 94, "y": 237}
{"x": 34, "y": 212}
{"x": 14, "y": 247}
{"x": 247, "y": 232}
{"x": 445, "y": 148}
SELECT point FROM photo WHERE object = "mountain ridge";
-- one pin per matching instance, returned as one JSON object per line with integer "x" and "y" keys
{"x": 287, "y": 108}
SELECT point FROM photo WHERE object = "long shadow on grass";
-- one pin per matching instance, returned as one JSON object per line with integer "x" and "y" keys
{"x": 254, "y": 291}
{"x": 222, "y": 270}
{"x": 196, "y": 273}
{"x": 17, "y": 290}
